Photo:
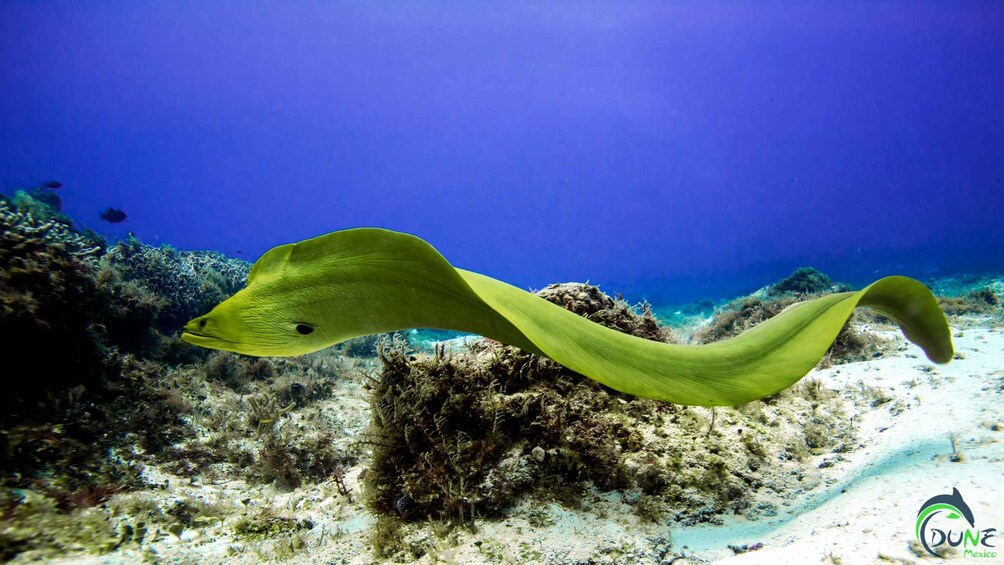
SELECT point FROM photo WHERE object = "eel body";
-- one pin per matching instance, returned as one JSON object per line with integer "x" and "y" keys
{"x": 309, "y": 295}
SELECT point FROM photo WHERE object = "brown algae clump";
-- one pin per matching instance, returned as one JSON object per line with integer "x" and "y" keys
{"x": 465, "y": 433}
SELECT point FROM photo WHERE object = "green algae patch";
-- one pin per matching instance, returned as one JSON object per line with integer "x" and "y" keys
{"x": 37, "y": 530}
{"x": 267, "y": 526}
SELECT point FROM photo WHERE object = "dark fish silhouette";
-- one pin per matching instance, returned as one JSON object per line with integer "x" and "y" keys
{"x": 114, "y": 216}
{"x": 52, "y": 184}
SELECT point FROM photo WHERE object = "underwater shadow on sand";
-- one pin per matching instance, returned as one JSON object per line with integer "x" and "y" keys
{"x": 706, "y": 538}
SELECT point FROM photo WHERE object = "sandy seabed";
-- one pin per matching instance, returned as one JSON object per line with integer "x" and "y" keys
{"x": 859, "y": 507}
{"x": 866, "y": 511}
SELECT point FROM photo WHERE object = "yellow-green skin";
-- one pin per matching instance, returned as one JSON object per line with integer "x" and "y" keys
{"x": 366, "y": 281}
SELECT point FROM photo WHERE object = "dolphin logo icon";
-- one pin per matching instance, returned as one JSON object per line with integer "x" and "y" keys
{"x": 951, "y": 503}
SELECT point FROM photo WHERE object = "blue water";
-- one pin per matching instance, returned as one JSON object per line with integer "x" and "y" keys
{"x": 672, "y": 151}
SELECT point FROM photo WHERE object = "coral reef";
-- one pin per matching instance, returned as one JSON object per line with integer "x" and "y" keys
{"x": 112, "y": 389}
{"x": 48, "y": 299}
{"x": 186, "y": 283}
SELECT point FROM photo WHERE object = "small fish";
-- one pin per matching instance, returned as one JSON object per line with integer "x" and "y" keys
{"x": 114, "y": 216}
{"x": 53, "y": 184}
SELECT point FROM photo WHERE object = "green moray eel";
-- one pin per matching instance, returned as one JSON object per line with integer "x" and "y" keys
{"x": 306, "y": 296}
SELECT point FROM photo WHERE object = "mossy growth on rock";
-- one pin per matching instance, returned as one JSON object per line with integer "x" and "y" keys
{"x": 185, "y": 284}
{"x": 49, "y": 306}
{"x": 266, "y": 525}
{"x": 740, "y": 315}
{"x": 99, "y": 391}
{"x": 590, "y": 302}
{"x": 465, "y": 433}
{"x": 805, "y": 281}
{"x": 83, "y": 394}
{"x": 980, "y": 301}
{"x": 37, "y": 530}
{"x": 851, "y": 345}
{"x": 971, "y": 300}
{"x": 248, "y": 429}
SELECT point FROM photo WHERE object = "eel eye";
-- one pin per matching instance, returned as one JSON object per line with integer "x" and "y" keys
{"x": 202, "y": 323}
{"x": 304, "y": 329}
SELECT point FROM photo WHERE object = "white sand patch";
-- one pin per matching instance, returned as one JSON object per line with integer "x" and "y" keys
{"x": 867, "y": 509}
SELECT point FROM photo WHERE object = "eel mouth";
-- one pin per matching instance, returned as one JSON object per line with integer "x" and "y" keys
{"x": 191, "y": 333}
{"x": 203, "y": 340}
